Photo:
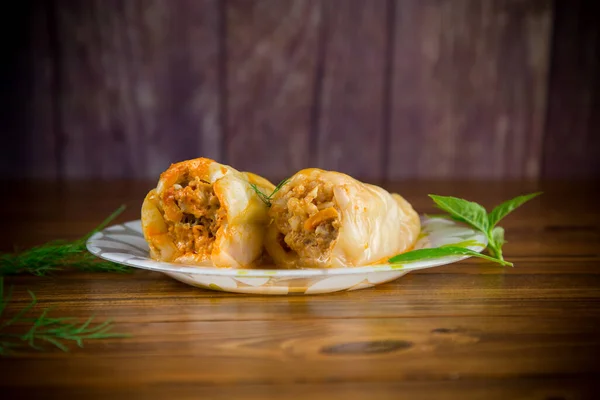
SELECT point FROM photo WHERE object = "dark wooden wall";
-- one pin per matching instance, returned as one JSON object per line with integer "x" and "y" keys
{"x": 381, "y": 89}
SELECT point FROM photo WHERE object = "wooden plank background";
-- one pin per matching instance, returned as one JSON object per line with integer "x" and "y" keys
{"x": 380, "y": 89}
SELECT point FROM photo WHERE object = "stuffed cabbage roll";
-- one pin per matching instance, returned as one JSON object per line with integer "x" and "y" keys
{"x": 204, "y": 211}
{"x": 323, "y": 219}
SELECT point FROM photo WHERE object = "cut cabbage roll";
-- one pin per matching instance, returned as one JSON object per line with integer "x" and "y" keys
{"x": 202, "y": 212}
{"x": 324, "y": 219}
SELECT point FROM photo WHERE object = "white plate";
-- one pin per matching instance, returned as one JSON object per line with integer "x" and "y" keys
{"x": 125, "y": 244}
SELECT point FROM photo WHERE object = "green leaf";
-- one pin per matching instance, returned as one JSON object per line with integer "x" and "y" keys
{"x": 464, "y": 211}
{"x": 438, "y": 252}
{"x": 507, "y": 207}
{"x": 465, "y": 243}
{"x": 496, "y": 241}
{"x": 498, "y": 236}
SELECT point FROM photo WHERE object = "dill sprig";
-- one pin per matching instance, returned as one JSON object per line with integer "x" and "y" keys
{"x": 267, "y": 199}
{"x": 59, "y": 254}
{"x": 42, "y": 330}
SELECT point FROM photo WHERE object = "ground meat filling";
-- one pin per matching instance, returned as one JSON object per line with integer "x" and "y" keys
{"x": 196, "y": 218}
{"x": 308, "y": 220}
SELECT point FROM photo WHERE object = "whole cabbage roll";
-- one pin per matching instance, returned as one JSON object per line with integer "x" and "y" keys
{"x": 202, "y": 212}
{"x": 324, "y": 219}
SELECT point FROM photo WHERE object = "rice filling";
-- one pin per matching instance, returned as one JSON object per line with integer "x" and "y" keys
{"x": 196, "y": 216}
{"x": 308, "y": 220}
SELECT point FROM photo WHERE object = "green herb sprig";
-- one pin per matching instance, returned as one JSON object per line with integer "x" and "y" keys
{"x": 60, "y": 254}
{"x": 57, "y": 332}
{"x": 267, "y": 198}
{"x": 478, "y": 218}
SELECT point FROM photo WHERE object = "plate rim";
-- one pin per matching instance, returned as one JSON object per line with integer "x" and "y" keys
{"x": 161, "y": 266}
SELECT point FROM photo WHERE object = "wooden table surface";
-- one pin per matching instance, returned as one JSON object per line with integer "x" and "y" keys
{"x": 463, "y": 331}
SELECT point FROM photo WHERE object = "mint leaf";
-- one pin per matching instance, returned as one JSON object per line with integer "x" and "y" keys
{"x": 438, "y": 252}
{"x": 463, "y": 211}
{"x": 507, "y": 207}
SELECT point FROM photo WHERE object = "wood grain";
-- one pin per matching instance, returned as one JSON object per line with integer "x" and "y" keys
{"x": 271, "y": 80}
{"x": 293, "y": 351}
{"x": 381, "y": 89}
{"x": 469, "y": 88}
{"x": 354, "y": 52}
{"x": 28, "y": 86}
{"x": 454, "y": 388}
{"x": 140, "y": 85}
{"x": 461, "y": 331}
{"x": 572, "y": 142}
